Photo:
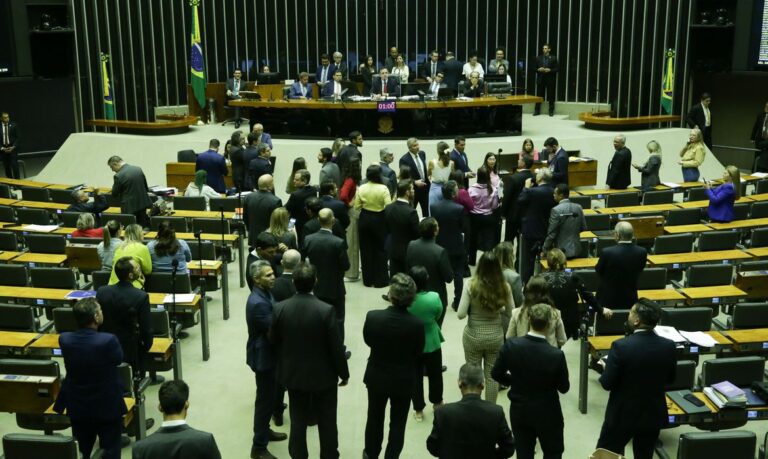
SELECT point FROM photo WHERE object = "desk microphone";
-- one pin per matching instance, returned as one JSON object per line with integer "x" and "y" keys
{"x": 175, "y": 265}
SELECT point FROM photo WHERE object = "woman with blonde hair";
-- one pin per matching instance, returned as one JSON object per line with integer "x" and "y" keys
{"x": 692, "y": 156}
{"x": 439, "y": 172}
{"x": 280, "y": 228}
{"x": 505, "y": 252}
{"x": 487, "y": 302}
{"x": 537, "y": 291}
{"x": 723, "y": 197}
{"x": 133, "y": 247}
{"x": 85, "y": 227}
{"x": 649, "y": 172}
{"x": 110, "y": 241}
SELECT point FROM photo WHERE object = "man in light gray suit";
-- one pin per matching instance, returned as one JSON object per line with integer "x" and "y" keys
{"x": 130, "y": 187}
{"x": 389, "y": 177}
{"x": 176, "y": 439}
{"x": 329, "y": 170}
{"x": 566, "y": 221}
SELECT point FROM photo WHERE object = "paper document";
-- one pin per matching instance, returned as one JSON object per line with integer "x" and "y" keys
{"x": 759, "y": 174}
{"x": 41, "y": 228}
{"x": 180, "y": 298}
{"x": 671, "y": 184}
{"x": 699, "y": 338}
{"x": 669, "y": 332}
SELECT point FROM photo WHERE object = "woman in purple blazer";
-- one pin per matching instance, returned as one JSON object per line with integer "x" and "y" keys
{"x": 722, "y": 198}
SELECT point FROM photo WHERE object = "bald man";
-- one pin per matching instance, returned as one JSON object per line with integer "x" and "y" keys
{"x": 258, "y": 207}
{"x": 284, "y": 288}
{"x": 619, "y": 269}
{"x": 261, "y": 136}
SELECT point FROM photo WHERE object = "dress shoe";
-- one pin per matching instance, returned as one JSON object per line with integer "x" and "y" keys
{"x": 156, "y": 379}
{"x": 262, "y": 454}
{"x": 277, "y": 436}
{"x": 385, "y": 297}
{"x": 347, "y": 354}
{"x": 149, "y": 423}
{"x": 595, "y": 366}
{"x": 444, "y": 368}
{"x": 278, "y": 419}
{"x": 125, "y": 441}
{"x": 536, "y": 113}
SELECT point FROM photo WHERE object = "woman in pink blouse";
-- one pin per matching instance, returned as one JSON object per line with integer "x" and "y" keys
{"x": 482, "y": 220}
{"x": 529, "y": 150}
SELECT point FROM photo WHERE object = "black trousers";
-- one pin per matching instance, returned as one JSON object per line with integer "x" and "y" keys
{"x": 397, "y": 265}
{"x": 142, "y": 218}
{"x": 615, "y": 439}
{"x": 550, "y": 439}
{"x": 421, "y": 197}
{"x": 528, "y": 249}
{"x": 433, "y": 363}
{"x": 372, "y": 228}
{"x": 482, "y": 234}
{"x": 85, "y": 432}
{"x": 706, "y": 136}
{"x": 545, "y": 84}
{"x": 309, "y": 407}
{"x": 339, "y": 305}
{"x": 269, "y": 401}
{"x": 458, "y": 264}
{"x": 11, "y": 163}
{"x": 374, "y": 425}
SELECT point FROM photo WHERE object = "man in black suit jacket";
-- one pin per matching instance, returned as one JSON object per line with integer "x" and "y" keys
{"x": 385, "y": 85}
{"x": 700, "y": 117}
{"x": 234, "y": 86}
{"x": 352, "y": 149}
{"x": 310, "y": 363}
{"x": 760, "y": 138}
{"x": 258, "y": 208}
{"x": 329, "y": 200}
{"x": 416, "y": 160}
{"x": 92, "y": 392}
{"x": 471, "y": 427}
{"x": 313, "y": 206}
{"x": 619, "y": 167}
{"x": 619, "y": 269}
{"x": 453, "y": 70}
{"x": 130, "y": 187}
{"x": 512, "y": 189}
{"x": 559, "y": 162}
{"x": 450, "y": 219}
{"x": 546, "y": 76}
{"x": 80, "y": 203}
{"x": 637, "y": 370}
{"x": 297, "y": 199}
{"x": 432, "y": 66}
{"x": 176, "y": 439}
{"x": 536, "y": 204}
{"x": 9, "y": 146}
{"x": 396, "y": 339}
{"x": 261, "y": 164}
{"x": 535, "y": 372}
{"x": 284, "y": 288}
{"x": 402, "y": 225}
{"x": 425, "y": 252}
{"x": 328, "y": 253}
{"x": 388, "y": 176}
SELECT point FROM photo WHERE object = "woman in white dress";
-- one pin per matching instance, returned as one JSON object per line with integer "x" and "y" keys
{"x": 400, "y": 70}
{"x": 439, "y": 171}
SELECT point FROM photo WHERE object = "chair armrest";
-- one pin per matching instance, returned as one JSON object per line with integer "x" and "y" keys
{"x": 741, "y": 247}
{"x": 677, "y": 284}
{"x": 45, "y": 328}
{"x": 719, "y": 325}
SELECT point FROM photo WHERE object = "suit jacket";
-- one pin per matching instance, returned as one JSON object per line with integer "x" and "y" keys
{"x": 560, "y": 167}
{"x": 13, "y": 135}
{"x": 757, "y": 132}
{"x": 346, "y": 154}
{"x": 536, "y": 204}
{"x": 98, "y": 205}
{"x": 177, "y": 442}
{"x": 637, "y": 371}
{"x": 231, "y": 87}
{"x": 389, "y": 178}
{"x": 267, "y": 139}
{"x": 258, "y": 315}
{"x": 308, "y": 348}
{"x": 296, "y": 91}
{"x": 649, "y": 172}
{"x": 403, "y": 227}
{"x": 295, "y": 204}
{"x": 696, "y": 117}
{"x": 407, "y": 160}
{"x": 283, "y": 288}
{"x": 257, "y": 211}
{"x": 435, "y": 259}
{"x": 130, "y": 187}
{"x": 549, "y": 62}
{"x": 535, "y": 372}
{"x": 92, "y": 389}
{"x": 328, "y": 253}
{"x": 619, "y": 268}
{"x": 450, "y": 219}
{"x": 426, "y": 68}
{"x": 566, "y": 222}
{"x": 460, "y": 161}
{"x": 249, "y": 154}
{"x": 393, "y": 86}
{"x": 216, "y": 167}
{"x": 238, "y": 166}
{"x": 126, "y": 315}
{"x": 328, "y": 75}
{"x": 340, "y": 210}
{"x": 453, "y": 69}
{"x": 329, "y": 88}
{"x": 618, "y": 169}
{"x": 471, "y": 427}
{"x": 313, "y": 226}
{"x": 257, "y": 167}
{"x": 342, "y": 67}
{"x": 512, "y": 189}
{"x": 396, "y": 339}
{"x": 330, "y": 171}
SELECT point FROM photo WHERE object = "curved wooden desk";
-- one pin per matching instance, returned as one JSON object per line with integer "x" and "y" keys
{"x": 606, "y": 120}
{"x": 311, "y": 104}
{"x": 171, "y": 125}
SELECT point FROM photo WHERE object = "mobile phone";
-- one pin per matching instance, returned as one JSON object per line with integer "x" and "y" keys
{"x": 291, "y": 223}
{"x": 693, "y": 399}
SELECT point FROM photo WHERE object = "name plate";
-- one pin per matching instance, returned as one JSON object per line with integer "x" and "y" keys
{"x": 386, "y": 106}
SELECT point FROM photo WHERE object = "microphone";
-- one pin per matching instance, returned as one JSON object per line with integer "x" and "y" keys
{"x": 175, "y": 265}
{"x": 198, "y": 234}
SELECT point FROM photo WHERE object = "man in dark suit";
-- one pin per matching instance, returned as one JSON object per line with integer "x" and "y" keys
{"x": 352, "y": 149}
{"x": 425, "y": 252}
{"x": 301, "y": 89}
{"x": 416, "y": 160}
{"x": 396, "y": 339}
{"x": 310, "y": 363}
{"x": 760, "y": 138}
{"x": 436, "y": 85}
{"x": 250, "y": 152}
{"x": 432, "y": 66}
{"x": 535, "y": 372}
{"x": 260, "y": 357}
{"x": 619, "y": 167}
{"x": 312, "y": 207}
{"x": 130, "y": 187}
{"x": 453, "y": 70}
{"x": 258, "y": 207}
{"x": 619, "y": 269}
{"x": 234, "y": 86}
{"x": 700, "y": 117}
{"x": 9, "y": 146}
{"x": 329, "y": 170}
{"x": 176, "y": 439}
{"x": 260, "y": 165}
{"x": 546, "y": 77}
{"x": 92, "y": 392}
{"x": 559, "y": 162}
{"x": 324, "y": 72}
{"x": 512, "y": 189}
{"x": 328, "y": 200}
{"x": 265, "y": 247}
{"x": 384, "y": 85}
{"x": 261, "y": 136}
{"x": 637, "y": 370}
{"x": 215, "y": 165}
{"x": 334, "y": 88}
{"x": 339, "y": 65}
{"x": 402, "y": 225}
{"x": 80, "y": 203}
{"x": 536, "y": 203}
{"x": 450, "y": 219}
{"x": 471, "y": 427}
{"x": 298, "y": 199}
{"x": 460, "y": 160}
{"x": 566, "y": 222}
{"x": 284, "y": 288}
{"x": 388, "y": 176}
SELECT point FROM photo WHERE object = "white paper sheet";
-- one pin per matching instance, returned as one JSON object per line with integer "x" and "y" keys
{"x": 699, "y": 338}
{"x": 670, "y": 333}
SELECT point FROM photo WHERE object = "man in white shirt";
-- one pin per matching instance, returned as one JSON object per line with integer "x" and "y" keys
{"x": 436, "y": 84}
{"x": 334, "y": 89}
{"x": 433, "y": 66}
{"x": 700, "y": 117}
{"x": 234, "y": 86}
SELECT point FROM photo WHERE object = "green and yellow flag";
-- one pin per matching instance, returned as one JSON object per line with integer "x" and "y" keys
{"x": 668, "y": 84}
{"x": 106, "y": 89}
{"x": 196, "y": 62}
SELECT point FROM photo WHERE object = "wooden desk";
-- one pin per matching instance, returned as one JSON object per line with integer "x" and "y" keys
{"x": 130, "y": 404}
{"x": 749, "y": 340}
{"x": 22, "y": 229}
{"x": 7, "y": 256}
{"x": 229, "y": 239}
{"x": 18, "y": 340}
{"x": 662, "y": 295}
{"x": 601, "y": 119}
{"x": 759, "y": 197}
{"x": 712, "y": 295}
{"x": 179, "y": 175}
{"x": 60, "y": 186}
{"x": 41, "y": 258}
{"x": 679, "y": 229}
{"x": 587, "y": 235}
{"x": 705, "y": 203}
{"x": 657, "y": 208}
{"x": 740, "y": 224}
{"x": 28, "y": 393}
{"x": 18, "y": 183}
{"x": 206, "y": 268}
{"x": 576, "y": 263}
{"x": 758, "y": 252}
{"x": 41, "y": 205}
{"x": 582, "y": 172}
{"x": 311, "y": 104}
{"x": 8, "y": 201}
{"x": 185, "y": 213}
{"x": 57, "y": 294}
{"x": 755, "y": 283}
{"x": 600, "y": 193}
{"x": 161, "y": 347}
{"x": 678, "y": 260}
{"x": 682, "y": 417}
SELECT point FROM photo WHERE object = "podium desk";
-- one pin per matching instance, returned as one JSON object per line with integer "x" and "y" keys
{"x": 28, "y": 393}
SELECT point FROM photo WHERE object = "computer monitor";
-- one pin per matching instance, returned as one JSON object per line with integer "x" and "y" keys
{"x": 495, "y": 77}
{"x": 499, "y": 87}
{"x": 446, "y": 93}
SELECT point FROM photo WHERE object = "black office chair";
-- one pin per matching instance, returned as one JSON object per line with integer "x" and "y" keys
{"x": 84, "y": 240}
{"x": 28, "y": 446}
{"x": 749, "y": 315}
{"x": 761, "y": 186}
{"x": 17, "y": 318}
{"x": 123, "y": 219}
{"x": 210, "y": 225}
{"x": 584, "y": 201}
{"x": 759, "y": 210}
{"x": 161, "y": 283}
{"x": 652, "y": 279}
{"x": 708, "y": 275}
{"x": 69, "y": 219}
{"x": 759, "y": 237}
{"x": 64, "y": 320}
{"x": 228, "y": 204}
{"x": 622, "y": 199}
{"x": 741, "y": 211}
{"x": 603, "y": 243}
{"x": 9, "y": 241}
{"x": 612, "y": 326}
{"x": 598, "y": 222}
{"x": 161, "y": 328}
{"x": 13, "y": 275}
{"x": 53, "y": 278}
{"x": 27, "y": 216}
{"x": 735, "y": 444}
{"x": 683, "y": 217}
{"x": 60, "y": 196}
{"x": 718, "y": 240}
{"x": 658, "y": 197}
{"x": 207, "y": 248}
{"x": 673, "y": 243}
{"x": 740, "y": 371}
{"x": 584, "y": 250}
{"x": 589, "y": 278}
{"x": 685, "y": 376}
{"x": 100, "y": 278}
{"x": 687, "y": 319}
{"x": 46, "y": 243}
{"x": 179, "y": 224}
{"x": 7, "y": 214}
{"x": 186, "y": 156}
{"x": 189, "y": 203}
{"x": 5, "y": 191}
{"x": 29, "y": 193}
{"x": 697, "y": 194}
{"x": 37, "y": 420}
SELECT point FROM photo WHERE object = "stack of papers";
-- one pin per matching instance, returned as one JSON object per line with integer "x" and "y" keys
{"x": 669, "y": 333}
{"x": 699, "y": 338}
{"x": 180, "y": 298}
{"x": 717, "y": 394}
{"x": 671, "y": 184}
{"x": 759, "y": 174}
{"x": 41, "y": 228}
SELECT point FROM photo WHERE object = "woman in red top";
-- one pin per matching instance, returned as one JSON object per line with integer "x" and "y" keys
{"x": 351, "y": 176}
{"x": 85, "y": 227}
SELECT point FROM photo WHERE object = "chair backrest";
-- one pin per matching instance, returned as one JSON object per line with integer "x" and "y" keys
{"x": 697, "y": 194}
{"x": 652, "y": 279}
{"x": 125, "y": 373}
{"x": 733, "y": 444}
{"x": 210, "y": 225}
{"x": 94, "y": 241}
{"x": 759, "y": 237}
{"x": 673, "y": 243}
{"x": 741, "y": 371}
{"x": 584, "y": 249}
{"x": 658, "y": 197}
{"x": 161, "y": 283}
{"x": 7, "y": 214}
{"x": 29, "y": 216}
{"x": 228, "y": 204}
{"x": 64, "y": 320}
{"x": 179, "y": 224}
{"x": 69, "y": 219}
{"x": 683, "y": 217}
{"x": 16, "y": 317}
{"x": 160, "y": 323}
{"x": 718, "y": 240}
{"x": 13, "y": 275}
{"x": 603, "y": 243}
{"x": 29, "y": 193}
{"x": 46, "y": 243}
{"x": 584, "y": 201}
{"x": 32, "y": 367}
{"x": 9, "y": 241}
{"x": 749, "y": 315}
{"x": 590, "y": 279}
{"x": 685, "y": 376}
{"x": 186, "y": 156}
{"x": 206, "y": 247}
{"x": 123, "y": 219}
{"x": 759, "y": 210}
{"x": 741, "y": 211}
{"x": 189, "y": 203}
{"x": 25, "y": 446}
{"x": 5, "y": 191}
{"x": 759, "y": 265}
{"x": 761, "y": 186}
{"x": 60, "y": 196}
{"x": 631, "y": 198}
{"x": 687, "y": 319}
{"x": 598, "y": 222}
{"x": 707, "y": 275}
{"x": 53, "y": 278}
{"x": 100, "y": 278}
{"x": 612, "y": 326}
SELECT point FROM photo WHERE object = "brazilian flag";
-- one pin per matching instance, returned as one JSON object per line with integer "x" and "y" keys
{"x": 668, "y": 84}
{"x": 196, "y": 64}
{"x": 106, "y": 89}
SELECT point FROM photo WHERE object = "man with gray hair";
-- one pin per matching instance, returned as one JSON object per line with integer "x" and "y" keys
{"x": 388, "y": 176}
{"x": 81, "y": 202}
{"x": 339, "y": 66}
{"x": 535, "y": 372}
{"x": 471, "y": 427}
{"x": 619, "y": 269}
{"x": 619, "y": 167}
{"x": 284, "y": 288}
{"x": 130, "y": 187}
{"x": 535, "y": 205}
{"x": 416, "y": 160}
